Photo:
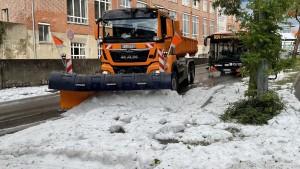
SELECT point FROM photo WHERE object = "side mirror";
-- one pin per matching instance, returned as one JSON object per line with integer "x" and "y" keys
{"x": 97, "y": 28}
{"x": 99, "y": 20}
{"x": 205, "y": 41}
{"x": 96, "y": 31}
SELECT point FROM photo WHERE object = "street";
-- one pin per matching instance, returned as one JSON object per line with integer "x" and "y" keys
{"x": 297, "y": 88}
{"x": 24, "y": 111}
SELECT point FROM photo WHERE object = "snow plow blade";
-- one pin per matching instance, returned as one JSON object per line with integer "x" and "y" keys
{"x": 101, "y": 82}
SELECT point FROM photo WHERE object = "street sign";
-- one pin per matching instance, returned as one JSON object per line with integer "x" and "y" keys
{"x": 70, "y": 34}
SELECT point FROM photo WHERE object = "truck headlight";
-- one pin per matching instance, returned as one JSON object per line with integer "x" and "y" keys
{"x": 155, "y": 72}
{"x": 105, "y": 72}
{"x": 155, "y": 38}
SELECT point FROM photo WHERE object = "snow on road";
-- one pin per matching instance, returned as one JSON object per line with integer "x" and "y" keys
{"x": 22, "y": 92}
{"x": 158, "y": 129}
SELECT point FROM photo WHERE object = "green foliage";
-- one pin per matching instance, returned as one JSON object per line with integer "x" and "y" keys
{"x": 294, "y": 66}
{"x": 253, "y": 110}
{"x": 284, "y": 64}
{"x": 157, "y": 161}
{"x": 232, "y": 7}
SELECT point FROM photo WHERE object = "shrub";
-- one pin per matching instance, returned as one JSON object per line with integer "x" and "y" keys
{"x": 253, "y": 110}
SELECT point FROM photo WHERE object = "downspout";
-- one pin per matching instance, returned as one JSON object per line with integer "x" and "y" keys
{"x": 33, "y": 30}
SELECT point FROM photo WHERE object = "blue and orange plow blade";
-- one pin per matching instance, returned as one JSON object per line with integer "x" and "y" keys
{"x": 70, "y": 99}
{"x": 100, "y": 82}
{"x": 75, "y": 88}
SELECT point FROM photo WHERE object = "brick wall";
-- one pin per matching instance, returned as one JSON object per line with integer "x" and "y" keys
{"x": 19, "y": 11}
{"x": 54, "y": 12}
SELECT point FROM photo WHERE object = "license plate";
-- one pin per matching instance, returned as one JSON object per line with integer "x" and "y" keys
{"x": 128, "y": 46}
{"x": 227, "y": 70}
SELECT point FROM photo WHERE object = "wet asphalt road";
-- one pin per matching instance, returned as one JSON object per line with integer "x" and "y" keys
{"x": 25, "y": 111}
{"x": 203, "y": 78}
{"x": 30, "y": 110}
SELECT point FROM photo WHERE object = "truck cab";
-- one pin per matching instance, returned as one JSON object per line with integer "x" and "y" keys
{"x": 131, "y": 39}
{"x": 138, "y": 40}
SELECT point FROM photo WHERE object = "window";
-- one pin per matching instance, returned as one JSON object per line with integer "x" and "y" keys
{"x": 140, "y": 4}
{"x": 205, "y": 5}
{"x": 186, "y": 24}
{"x": 195, "y": 22}
{"x": 204, "y": 27}
{"x": 186, "y": 2}
{"x": 5, "y": 15}
{"x": 175, "y": 1}
{"x": 221, "y": 23}
{"x": 77, "y": 50}
{"x": 196, "y": 3}
{"x": 211, "y": 8}
{"x": 100, "y": 7}
{"x": 125, "y": 4}
{"x": 44, "y": 32}
{"x": 173, "y": 14}
{"x": 77, "y": 11}
{"x": 211, "y": 27}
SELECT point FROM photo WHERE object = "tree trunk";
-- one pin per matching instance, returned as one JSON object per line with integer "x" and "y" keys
{"x": 262, "y": 79}
{"x": 252, "y": 87}
{"x": 295, "y": 52}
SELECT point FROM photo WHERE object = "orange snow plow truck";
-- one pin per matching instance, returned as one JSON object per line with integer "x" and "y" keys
{"x": 141, "y": 49}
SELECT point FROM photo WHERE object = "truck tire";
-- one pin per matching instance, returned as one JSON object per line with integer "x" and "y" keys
{"x": 191, "y": 77}
{"x": 174, "y": 81}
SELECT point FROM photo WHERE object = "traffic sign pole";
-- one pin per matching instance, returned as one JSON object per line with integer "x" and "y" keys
{"x": 70, "y": 36}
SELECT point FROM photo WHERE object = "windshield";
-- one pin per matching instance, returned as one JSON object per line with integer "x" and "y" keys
{"x": 130, "y": 30}
{"x": 232, "y": 50}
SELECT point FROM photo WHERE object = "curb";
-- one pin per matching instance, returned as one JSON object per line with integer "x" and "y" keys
{"x": 296, "y": 80}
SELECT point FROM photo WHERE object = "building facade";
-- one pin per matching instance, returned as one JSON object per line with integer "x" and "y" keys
{"x": 73, "y": 22}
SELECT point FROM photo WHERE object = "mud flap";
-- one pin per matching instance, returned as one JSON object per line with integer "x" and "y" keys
{"x": 100, "y": 82}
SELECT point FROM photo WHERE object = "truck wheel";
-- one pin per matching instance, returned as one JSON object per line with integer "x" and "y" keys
{"x": 174, "y": 81}
{"x": 191, "y": 77}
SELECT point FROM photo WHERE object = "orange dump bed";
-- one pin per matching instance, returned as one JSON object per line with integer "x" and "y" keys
{"x": 187, "y": 45}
